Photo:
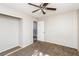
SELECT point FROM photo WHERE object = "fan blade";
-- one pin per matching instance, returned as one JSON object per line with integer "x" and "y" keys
{"x": 35, "y": 10}
{"x": 44, "y": 5}
{"x": 43, "y": 11}
{"x": 33, "y": 5}
{"x": 50, "y": 8}
{"x": 41, "y": 5}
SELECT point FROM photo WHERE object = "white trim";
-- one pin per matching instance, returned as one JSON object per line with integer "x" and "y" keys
{"x": 17, "y": 50}
{"x": 13, "y": 52}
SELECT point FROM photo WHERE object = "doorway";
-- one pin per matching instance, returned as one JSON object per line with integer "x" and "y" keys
{"x": 34, "y": 31}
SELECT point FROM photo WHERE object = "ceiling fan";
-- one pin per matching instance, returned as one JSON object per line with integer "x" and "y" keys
{"x": 42, "y": 7}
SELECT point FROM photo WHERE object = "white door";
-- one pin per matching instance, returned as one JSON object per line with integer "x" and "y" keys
{"x": 9, "y": 32}
{"x": 40, "y": 31}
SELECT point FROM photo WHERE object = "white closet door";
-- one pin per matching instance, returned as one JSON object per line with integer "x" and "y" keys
{"x": 9, "y": 32}
{"x": 40, "y": 31}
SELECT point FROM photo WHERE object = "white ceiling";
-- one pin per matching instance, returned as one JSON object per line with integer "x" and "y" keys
{"x": 25, "y": 8}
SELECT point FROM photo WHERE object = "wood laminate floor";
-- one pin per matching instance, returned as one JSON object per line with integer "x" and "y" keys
{"x": 8, "y": 51}
{"x": 45, "y": 49}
